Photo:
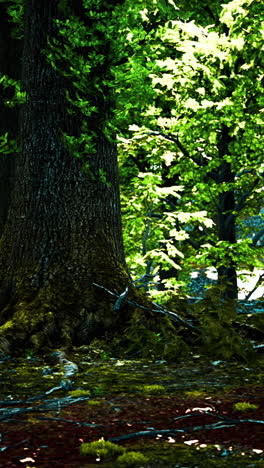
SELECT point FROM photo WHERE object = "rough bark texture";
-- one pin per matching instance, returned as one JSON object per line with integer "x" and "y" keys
{"x": 63, "y": 231}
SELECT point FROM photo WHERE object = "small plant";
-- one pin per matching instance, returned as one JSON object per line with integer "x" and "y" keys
{"x": 79, "y": 392}
{"x": 132, "y": 459}
{"x": 101, "y": 448}
{"x": 244, "y": 406}
{"x": 153, "y": 389}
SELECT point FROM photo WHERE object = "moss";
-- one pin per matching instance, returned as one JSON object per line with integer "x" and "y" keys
{"x": 68, "y": 310}
{"x": 132, "y": 459}
{"x": 94, "y": 403}
{"x": 101, "y": 448}
{"x": 152, "y": 389}
{"x": 179, "y": 455}
{"x": 77, "y": 393}
{"x": 195, "y": 393}
{"x": 244, "y": 406}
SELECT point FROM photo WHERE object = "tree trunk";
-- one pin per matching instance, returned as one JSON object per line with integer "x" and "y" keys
{"x": 226, "y": 223}
{"x": 63, "y": 232}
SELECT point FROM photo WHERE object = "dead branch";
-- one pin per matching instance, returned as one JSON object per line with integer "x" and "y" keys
{"x": 172, "y": 315}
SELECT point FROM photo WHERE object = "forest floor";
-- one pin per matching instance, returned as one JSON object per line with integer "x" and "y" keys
{"x": 193, "y": 413}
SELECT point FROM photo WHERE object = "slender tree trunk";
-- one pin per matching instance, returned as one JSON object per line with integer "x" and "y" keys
{"x": 226, "y": 227}
{"x": 63, "y": 232}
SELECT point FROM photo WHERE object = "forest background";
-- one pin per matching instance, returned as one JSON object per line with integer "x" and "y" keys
{"x": 187, "y": 86}
{"x": 195, "y": 155}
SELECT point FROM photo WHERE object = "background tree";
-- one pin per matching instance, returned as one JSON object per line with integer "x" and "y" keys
{"x": 205, "y": 123}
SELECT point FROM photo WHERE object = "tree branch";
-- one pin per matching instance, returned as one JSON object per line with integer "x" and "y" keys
{"x": 184, "y": 151}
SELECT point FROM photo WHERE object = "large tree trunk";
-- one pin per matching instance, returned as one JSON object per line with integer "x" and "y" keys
{"x": 63, "y": 232}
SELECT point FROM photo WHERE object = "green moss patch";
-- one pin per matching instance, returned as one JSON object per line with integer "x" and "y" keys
{"x": 132, "y": 459}
{"x": 101, "y": 449}
{"x": 244, "y": 406}
{"x": 77, "y": 393}
{"x": 94, "y": 403}
{"x": 171, "y": 455}
{"x": 152, "y": 389}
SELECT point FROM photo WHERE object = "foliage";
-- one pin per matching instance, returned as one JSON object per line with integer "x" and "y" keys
{"x": 208, "y": 85}
{"x": 9, "y": 145}
{"x": 84, "y": 51}
{"x": 164, "y": 343}
{"x": 216, "y": 319}
{"x": 15, "y": 9}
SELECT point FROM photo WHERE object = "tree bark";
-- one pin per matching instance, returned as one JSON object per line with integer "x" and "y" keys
{"x": 63, "y": 232}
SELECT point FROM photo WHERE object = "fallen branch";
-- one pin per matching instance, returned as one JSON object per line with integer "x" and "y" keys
{"x": 172, "y": 315}
{"x": 2, "y": 449}
{"x": 230, "y": 422}
{"x": 154, "y": 433}
{"x": 49, "y": 405}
